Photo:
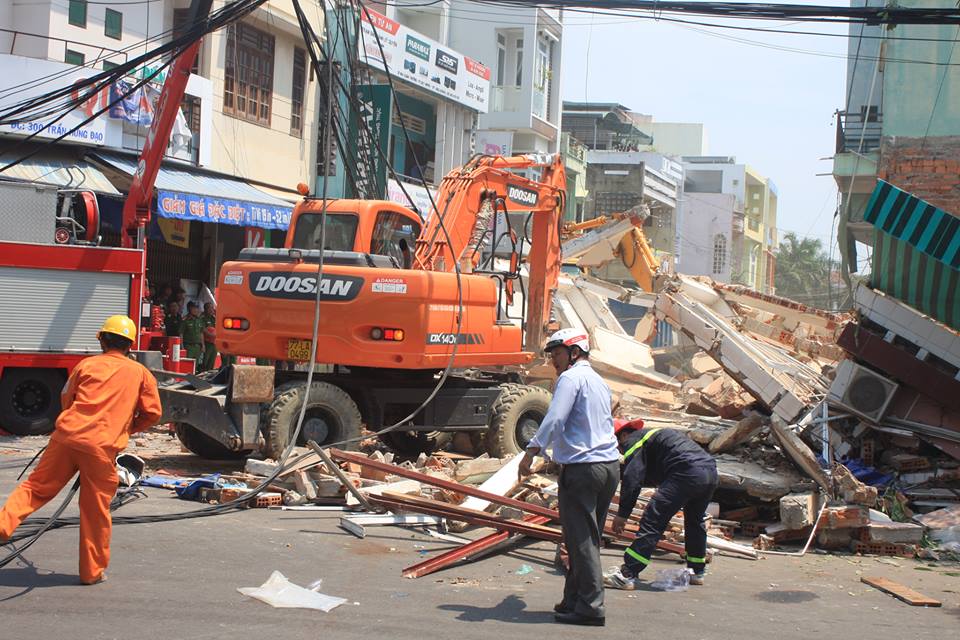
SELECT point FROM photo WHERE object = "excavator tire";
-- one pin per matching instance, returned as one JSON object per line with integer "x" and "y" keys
{"x": 199, "y": 443}
{"x": 332, "y": 416}
{"x": 516, "y": 415}
{"x": 413, "y": 443}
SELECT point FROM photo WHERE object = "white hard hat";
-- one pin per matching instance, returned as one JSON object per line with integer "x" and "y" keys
{"x": 569, "y": 338}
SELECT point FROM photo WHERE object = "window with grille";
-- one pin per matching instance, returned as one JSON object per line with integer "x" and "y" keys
{"x": 77, "y": 13}
{"x": 113, "y": 24}
{"x": 719, "y": 253}
{"x": 248, "y": 74}
{"x": 296, "y": 96}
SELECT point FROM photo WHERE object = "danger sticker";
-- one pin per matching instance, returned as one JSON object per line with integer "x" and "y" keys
{"x": 233, "y": 277}
{"x": 389, "y": 285}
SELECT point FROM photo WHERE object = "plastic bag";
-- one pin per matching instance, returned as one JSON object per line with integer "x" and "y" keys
{"x": 672, "y": 580}
{"x": 279, "y": 592}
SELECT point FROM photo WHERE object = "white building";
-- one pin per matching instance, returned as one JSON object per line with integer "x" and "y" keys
{"x": 705, "y": 234}
{"x": 522, "y": 48}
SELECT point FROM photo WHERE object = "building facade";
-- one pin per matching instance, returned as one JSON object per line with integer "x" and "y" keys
{"x": 244, "y": 139}
{"x": 901, "y": 124}
{"x": 751, "y": 241}
{"x": 522, "y": 49}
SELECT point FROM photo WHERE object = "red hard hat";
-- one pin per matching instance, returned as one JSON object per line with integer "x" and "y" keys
{"x": 620, "y": 424}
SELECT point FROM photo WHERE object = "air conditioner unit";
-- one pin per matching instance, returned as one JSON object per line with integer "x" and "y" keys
{"x": 862, "y": 391}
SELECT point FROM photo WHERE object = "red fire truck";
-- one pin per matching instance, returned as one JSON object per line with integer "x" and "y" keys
{"x": 57, "y": 284}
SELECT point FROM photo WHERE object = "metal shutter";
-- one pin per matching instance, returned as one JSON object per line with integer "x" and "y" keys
{"x": 57, "y": 310}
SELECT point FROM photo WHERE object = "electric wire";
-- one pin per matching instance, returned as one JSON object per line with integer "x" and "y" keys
{"x": 31, "y": 529}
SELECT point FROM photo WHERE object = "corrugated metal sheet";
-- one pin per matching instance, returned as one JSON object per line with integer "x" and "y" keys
{"x": 56, "y": 310}
{"x": 62, "y": 171}
{"x": 911, "y": 276}
{"x": 187, "y": 181}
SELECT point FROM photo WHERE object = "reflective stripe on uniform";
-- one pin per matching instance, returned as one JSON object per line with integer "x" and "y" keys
{"x": 696, "y": 560}
{"x": 637, "y": 446}
{"x": 636, "y": 556}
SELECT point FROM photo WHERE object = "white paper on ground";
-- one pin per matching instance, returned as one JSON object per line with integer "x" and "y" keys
{"x": 279, "y": 592}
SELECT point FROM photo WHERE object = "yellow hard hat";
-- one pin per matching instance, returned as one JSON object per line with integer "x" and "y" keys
{"x": 121, "y": 326}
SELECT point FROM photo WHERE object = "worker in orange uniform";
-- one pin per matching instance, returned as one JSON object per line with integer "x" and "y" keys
{"x": 106, "y": 398}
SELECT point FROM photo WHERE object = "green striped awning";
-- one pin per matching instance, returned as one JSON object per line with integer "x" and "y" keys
{"x": 905, "y": 217}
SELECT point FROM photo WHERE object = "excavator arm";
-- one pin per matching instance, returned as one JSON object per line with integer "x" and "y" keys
{"x": 136, "y": 208}
{"x": 468, "y": 202}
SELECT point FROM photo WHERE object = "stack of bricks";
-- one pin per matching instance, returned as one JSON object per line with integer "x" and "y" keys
{"x": 927, "y": 168}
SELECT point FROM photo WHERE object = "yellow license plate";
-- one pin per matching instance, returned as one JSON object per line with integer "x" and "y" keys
{"x": 298, "y": 350}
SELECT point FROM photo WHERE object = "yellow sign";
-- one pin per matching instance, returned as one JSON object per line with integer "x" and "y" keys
{"x": 175, "y": 232}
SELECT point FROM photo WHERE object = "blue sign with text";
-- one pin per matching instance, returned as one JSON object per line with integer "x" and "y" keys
{"x": 188, "y": 206}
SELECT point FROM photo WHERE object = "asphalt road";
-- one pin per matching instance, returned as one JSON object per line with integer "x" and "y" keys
{"x": 179, "y": 580}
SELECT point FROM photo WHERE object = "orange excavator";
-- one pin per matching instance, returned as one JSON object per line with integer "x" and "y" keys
{"x": 401, "y": 301}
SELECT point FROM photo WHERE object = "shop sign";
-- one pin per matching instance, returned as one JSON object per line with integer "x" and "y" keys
{"x": 30, "y": 74}
{"x": 495, "y": 143}
{"x": 422, "y": 61}
{"x": 370, "y": 128}
{"x": 419, "y": 199}
{"x": 188, "y": 206}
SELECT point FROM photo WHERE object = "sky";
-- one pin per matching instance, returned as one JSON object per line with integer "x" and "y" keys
{"x": 771, "y": 109}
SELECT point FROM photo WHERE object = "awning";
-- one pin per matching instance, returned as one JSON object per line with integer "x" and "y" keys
{"x": 906, "y": 217}
{"x": 187, "y": 194}
{"x": 62, "y": 170}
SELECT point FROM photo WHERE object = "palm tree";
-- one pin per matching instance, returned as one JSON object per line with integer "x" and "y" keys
{"x": 803, "y": 269}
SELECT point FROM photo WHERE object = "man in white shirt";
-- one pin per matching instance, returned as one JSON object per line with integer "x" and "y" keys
{"x": 578, "y": 431}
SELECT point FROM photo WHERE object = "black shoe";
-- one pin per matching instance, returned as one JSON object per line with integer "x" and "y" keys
{"x": 562, "y": 608}
{"x": 576, "y": 618}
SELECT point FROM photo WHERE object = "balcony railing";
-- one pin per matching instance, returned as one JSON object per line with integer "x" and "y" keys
{"x": 858, "y": 131}
{"x": 507, "y": 99}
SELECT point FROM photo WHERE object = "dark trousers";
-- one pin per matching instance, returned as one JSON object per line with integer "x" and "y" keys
{"x": 585, "y": 494}
{"x": 691, "y": 492}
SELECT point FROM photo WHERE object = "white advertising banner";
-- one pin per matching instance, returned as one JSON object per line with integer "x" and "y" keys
{"x": 422, "y": 61}
{"x": 24, "y": 78}
{"x": 419, "y": 199}
{"x": 495, "y": 143}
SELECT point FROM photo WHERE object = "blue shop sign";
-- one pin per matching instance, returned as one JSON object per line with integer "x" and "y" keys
{"x": 188, "y": 206}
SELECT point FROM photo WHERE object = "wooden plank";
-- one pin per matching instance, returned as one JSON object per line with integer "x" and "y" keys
{"x": 900, "y": 592}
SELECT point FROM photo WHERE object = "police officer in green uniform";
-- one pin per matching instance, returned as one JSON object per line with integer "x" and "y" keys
{"x": 191, "y": 331}
{"x": 209, "y": 331}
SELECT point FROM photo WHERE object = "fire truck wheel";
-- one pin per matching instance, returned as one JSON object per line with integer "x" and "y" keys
{"x": 203, "y": 445}
{"x": 517, "y": 414}
{"x": 30, "y": 400}
{"x": 413, "y": 443}
{"x": 332, "y": 416}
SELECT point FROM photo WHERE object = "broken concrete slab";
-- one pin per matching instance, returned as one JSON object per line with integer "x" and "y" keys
{"x": 755, "y": 480}
{"x": 894, "y": 532}
{"x": 626, "y": 358}
{"x": 477, "y": 470}
{"x": 799, "y": 452}
{"x": 799, "y": 510}
{"x": 735, "y": 436}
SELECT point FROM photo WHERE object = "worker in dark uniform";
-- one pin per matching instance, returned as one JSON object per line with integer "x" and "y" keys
{"x": 191, "y": 330}
{"x": 685, "y": 476}
{"x": 172, "y": 320}
{"x": 209, "y": 333}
